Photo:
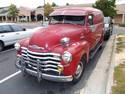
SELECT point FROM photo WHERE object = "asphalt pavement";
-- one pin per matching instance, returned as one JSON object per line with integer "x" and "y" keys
{"x": 92, "y": 82}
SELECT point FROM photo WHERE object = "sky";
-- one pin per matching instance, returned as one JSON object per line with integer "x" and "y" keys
{"x": 36, "y": 3}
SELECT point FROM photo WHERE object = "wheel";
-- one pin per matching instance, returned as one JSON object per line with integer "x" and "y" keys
{"x": 110, "y": 32}
{"x": 1, "y": 46}
{"x": 106, "y": 37}
{"x": 79, "y": 71}
{"x": 101, "y": 42}
{"x": 101, "y": 46}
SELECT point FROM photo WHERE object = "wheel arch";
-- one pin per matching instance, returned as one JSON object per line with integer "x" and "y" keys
{"x": 85, "y": 54}
{"x": 2, "y": 42}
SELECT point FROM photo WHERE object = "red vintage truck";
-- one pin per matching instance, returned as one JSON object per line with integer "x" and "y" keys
{"x": 61, "y": 51}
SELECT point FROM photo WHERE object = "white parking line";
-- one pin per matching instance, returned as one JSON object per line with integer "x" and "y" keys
{"x": 7, "y": 51}
{"x": 9, "y": 77}
{"x": 82, "y": 91}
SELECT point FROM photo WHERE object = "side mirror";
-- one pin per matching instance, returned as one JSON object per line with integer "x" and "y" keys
{"x": 90, "y": 19}
{"x": 24, "y": 29}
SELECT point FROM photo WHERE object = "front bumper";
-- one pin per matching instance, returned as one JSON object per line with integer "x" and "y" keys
{"x": 41, "y": 76}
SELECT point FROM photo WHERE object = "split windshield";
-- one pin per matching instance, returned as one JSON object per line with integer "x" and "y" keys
{"x": 64, "y": 19}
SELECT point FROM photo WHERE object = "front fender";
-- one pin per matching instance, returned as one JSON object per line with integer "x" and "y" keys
{"x": 23, "y": 43}
{"x": 77, "y": 50}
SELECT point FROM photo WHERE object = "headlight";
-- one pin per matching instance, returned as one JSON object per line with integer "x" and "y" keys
{"x": 67, "y": 57}
{"x": 65, "y": 41}
{"x": 17, "y": 46}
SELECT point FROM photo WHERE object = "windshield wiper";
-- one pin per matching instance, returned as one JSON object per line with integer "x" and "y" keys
{"x": 56, "y": 23}
{"x": 70, "y": 23}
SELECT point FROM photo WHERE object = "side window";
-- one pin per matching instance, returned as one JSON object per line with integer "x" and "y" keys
{"x": 17, "y": 28}
{"x": 1, "y": 29}
{"x": 5, "y": 28}
{"x": 90, "y": 19}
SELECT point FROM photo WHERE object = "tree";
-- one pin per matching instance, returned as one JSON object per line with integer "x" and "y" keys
{"x": 13, "y": 11}
{"x": 107, "y": 7}
{"x": 67, "y": 4}
{"x": 48, "y": 9}
{"x": 54, "y": 4}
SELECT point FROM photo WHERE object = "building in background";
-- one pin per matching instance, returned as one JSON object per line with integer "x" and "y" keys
{"x": 24, "y": 14}
{"x": 4, "y": 14}
{"x": 120, "y": 18}
{"x": 39, "y": 13}
{"x": 27, "y": 14}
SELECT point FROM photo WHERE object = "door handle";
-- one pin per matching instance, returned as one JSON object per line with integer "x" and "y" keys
{"x": 2, "y": 35}
{"x": 17, "y": 33}
{"x": 82, "y": 37}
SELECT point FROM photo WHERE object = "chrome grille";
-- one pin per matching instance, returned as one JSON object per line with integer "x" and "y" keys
{"x": 48, "y": 62}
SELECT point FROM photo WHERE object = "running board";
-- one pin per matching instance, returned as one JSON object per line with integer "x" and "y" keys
{"x": 92, "y": 54}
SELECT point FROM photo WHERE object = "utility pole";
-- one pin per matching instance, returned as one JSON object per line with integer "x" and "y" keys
{"x": 44, "y": 11}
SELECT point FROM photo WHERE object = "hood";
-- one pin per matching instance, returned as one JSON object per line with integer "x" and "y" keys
{"x": 50, "y": 37}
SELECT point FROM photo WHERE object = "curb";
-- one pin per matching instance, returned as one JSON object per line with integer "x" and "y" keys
{"x": 111, "y": 68}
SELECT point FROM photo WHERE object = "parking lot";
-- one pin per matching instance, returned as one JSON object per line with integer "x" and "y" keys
{"x": 94, "y": 80}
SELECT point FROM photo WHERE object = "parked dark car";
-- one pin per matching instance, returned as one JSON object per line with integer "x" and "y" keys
{"x": 108, "y": 27}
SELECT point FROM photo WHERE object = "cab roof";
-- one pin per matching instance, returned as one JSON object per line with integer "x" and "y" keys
{"x": 77, "y": 11}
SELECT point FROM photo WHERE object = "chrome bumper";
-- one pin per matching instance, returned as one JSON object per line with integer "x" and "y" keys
{"x": 41, "y": 76}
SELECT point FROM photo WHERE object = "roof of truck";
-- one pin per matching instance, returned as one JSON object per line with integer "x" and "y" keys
{"x": 75, "y": 11}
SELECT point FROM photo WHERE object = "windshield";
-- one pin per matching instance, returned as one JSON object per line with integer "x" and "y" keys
{"x": 61, "y": 19}
{"x": 106, "y": 20}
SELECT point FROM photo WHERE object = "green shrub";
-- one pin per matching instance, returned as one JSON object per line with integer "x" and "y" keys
{"x": 122, "y": 24}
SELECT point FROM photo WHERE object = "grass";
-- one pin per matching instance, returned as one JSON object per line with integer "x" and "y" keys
{"x": 120, "y": 45}
{"x": 119, "y": 72}
{"x": 122, "y": 24}
{"x": 119, "y": 77}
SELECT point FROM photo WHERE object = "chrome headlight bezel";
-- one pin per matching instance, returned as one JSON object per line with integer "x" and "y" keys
{"x": 67, "y": 57}
{"x": 65, "y": 41}
{"x": 17, "y": 46}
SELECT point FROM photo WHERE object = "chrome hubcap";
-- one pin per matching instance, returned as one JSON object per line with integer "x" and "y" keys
{"x": 79, "y": 70}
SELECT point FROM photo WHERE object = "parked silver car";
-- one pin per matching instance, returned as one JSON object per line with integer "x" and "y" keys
{"x": 10, "y": 33}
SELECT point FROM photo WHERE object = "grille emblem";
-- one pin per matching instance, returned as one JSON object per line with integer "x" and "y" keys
{"x": 46, "y": 45}
{"x": 36, "y": 47}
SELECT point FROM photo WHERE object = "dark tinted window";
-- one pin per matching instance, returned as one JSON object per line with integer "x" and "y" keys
{"x": 57, "y": 19}
{"x": 17, "y": 28}
{"x": 75, "y": 19}
{"x": 1, "y": 29}
{"x": 5, "y": 28}
{"x": 107, "y": 20}
{"x": 65, "y": 19}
